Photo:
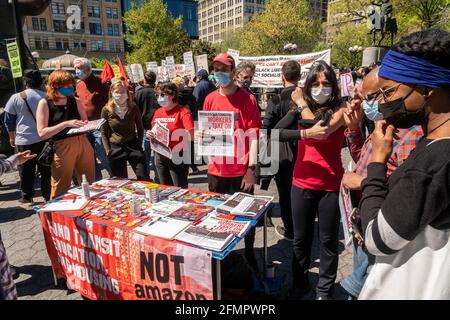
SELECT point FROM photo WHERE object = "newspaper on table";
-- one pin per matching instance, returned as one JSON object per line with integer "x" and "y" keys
{"x": 243, "y": 204}
{"x": 216, "y": 133}
{"x": 88, "y": 127}
{"x": 163, "y": 228}
{"x": 201, "y": 62}
{"x": 160, "y": 143}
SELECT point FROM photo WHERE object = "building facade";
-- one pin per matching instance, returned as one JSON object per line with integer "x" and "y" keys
{"x": 218, "y": 17}
{"x": 185, "y": 8}
{"x": 100, "y": 32}
{"x": 320, "y": 8}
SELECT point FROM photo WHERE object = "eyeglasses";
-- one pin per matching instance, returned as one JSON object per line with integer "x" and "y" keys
{"x": 375, "y": 95}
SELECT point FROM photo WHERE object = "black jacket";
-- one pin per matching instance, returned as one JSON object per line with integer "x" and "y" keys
{"x": 186, "y": 98}
{"x": 145, "y": 99}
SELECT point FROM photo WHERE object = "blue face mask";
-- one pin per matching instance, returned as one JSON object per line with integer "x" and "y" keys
{"x": 163, "y": 101}
{"x": 371, "y": 110}
{"x": 80, "y": 74}
{"x": 223, "y": 78}
{"x": 66, "y": 92}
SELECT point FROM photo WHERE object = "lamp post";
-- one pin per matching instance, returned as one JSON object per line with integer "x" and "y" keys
{"x": 354, "y": 53}
{"x": 290, "y": 47}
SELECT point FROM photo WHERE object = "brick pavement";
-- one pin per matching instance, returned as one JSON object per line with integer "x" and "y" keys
{"x": 23, "y": 238}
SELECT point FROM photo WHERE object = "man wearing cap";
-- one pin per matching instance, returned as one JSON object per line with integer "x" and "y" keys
{"x": 203, "y": 87}
{"x": 20, "y": 119}
{"x": 235, "y": 174}
{"x": 93, "y": 93}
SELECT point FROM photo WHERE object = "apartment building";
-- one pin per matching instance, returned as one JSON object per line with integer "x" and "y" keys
{"x": 99, "y": 32}
{"x": 217, "y": 17}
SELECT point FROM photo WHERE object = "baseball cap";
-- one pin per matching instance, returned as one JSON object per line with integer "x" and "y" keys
{"x": 202, "y": 73}
{"x": 225, "y": 59}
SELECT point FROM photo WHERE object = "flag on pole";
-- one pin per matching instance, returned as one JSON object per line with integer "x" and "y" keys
{"x": 122, "y": 69}
{"x": 107, "y": 72}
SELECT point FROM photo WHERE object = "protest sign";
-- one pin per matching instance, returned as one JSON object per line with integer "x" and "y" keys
{"x": 202, "y": 62}
{"x": 161, "y": 142}
{"x": 162, "y": 74}
{"x": 14, "y": 59}
{"x": 163, "y": 63}
{"x": 217, "y": 129}
{"x": 180, "y": 70}
{"x": 170, "y": 65}
{"x": 102, "y": 262}
{"x": 188, "y": 60}
{"x": 137, "y": 72}
{"x": 347, "y": 87}
{"x": 116, "y": 70}
{"x": 128, "y": 71}
{"x": 152, "y": 66}
{"x": 268, "y": 68}
{"x": 234, "y": 54}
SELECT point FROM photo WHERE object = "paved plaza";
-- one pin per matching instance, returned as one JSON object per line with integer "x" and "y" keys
{"x": 23, "y": 238}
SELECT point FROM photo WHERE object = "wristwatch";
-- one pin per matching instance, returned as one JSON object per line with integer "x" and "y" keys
{"x": 301, "y": 108}
{"x": 252, "y": 167}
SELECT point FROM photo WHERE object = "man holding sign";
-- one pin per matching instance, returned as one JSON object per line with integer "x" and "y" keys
{"x": 235, "y": 173}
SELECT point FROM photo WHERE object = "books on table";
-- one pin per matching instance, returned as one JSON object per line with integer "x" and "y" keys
{"x": 214, "y": 233}
{"x": 191, "y": 212}
{"x": 163, "y": 228}
{"x": 94, "y": 190}
{"x": 88, "y": 127}
{"x": 74, "y": 204}
{"x": 246, "y": 205}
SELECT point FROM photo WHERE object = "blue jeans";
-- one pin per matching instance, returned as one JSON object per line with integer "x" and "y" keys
{"x": 354, "y": 283}
{"x": 95, "y": 138}
{"x": 150, "y": 159}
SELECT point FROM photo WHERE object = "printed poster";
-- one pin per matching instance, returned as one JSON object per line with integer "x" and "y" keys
{"x": 268, "y": 68}
{"x": 107, "y": 263}
{"x": 202, "y": 62}
{"x": 137, "y": 72}
{"x": 161, "y": 142}
{"x": 170, "y": 65}
{"x": 162, "y": 74}
{"x": 14, "y": 59}
{"x": 152, "y": 66}
{"x": 188, "y": 60}
{"x": 216, "y": 133}
{"x": 234, "y": 54}
{"x": 180, "y": 70}
{"x": 347, "y": 86}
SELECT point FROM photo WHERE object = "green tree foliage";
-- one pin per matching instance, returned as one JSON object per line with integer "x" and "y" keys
{"x": 231, "y": 40}
{"x": 283, "y": 21}
{"x": 153, "y": 34}
{"x": 350, "y": 19}
{"x": 199, "y": 47}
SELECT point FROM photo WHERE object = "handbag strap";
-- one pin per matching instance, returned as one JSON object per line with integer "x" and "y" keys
{"x": 23, "y": 95}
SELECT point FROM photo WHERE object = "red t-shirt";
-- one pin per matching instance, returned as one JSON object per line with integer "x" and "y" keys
{"x": 319, "y": 164}
{"x": 178, "y": 117}
{"x": 247, "y": 118}
{"x": 93, "y": 94}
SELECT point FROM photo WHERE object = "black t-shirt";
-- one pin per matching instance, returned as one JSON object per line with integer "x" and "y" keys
{"x": 61, "y": 113}
{"x": 145, "y": 99}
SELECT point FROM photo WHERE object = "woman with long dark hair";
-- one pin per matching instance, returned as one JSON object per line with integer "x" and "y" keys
{"x": 317, "y": 176}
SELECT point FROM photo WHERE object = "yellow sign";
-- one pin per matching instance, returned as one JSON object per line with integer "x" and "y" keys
{"x": 14, "y": 59}
{"x": 116, "y": 71}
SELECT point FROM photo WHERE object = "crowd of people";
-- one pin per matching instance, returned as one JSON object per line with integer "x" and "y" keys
{"x": 396, "y": 127}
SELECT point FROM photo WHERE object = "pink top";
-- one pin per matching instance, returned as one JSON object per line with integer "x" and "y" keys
{"x": 319, "y": 163}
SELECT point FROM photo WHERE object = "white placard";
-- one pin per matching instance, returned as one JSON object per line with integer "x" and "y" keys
{"x": 234, "y": 54}
{"x": 202, "y": 62}
{"x": 217, "y": 133}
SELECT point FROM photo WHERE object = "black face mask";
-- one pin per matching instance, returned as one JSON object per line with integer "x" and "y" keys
{"x": 246, "y": 83}
{"x": 395, "y": 113}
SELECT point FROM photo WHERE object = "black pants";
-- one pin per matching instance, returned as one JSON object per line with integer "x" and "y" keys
{"x": 305, "y": 205}
{"x": 171, "y": 174}
{"x": 27, "y": 173}
{"x": 283, "y": 179}
{"x": 230, "y": 186}
{"x": 132, "y": 153}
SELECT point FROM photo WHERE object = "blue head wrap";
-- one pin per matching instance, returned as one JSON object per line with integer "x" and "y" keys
{"x": 413, "y": 70}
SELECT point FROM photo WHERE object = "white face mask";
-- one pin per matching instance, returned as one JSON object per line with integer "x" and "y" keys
{"x": 120, "y": 98}
{"x": 321, "y": 94}
{"x": 164, "y": 101}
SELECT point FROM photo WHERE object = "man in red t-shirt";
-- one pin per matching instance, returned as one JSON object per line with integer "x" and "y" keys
{"x": 235, "y": 174}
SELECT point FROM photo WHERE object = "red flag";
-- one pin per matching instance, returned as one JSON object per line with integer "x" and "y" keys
{"x": 107, "y": 73}
{"x": 122, "y": 69}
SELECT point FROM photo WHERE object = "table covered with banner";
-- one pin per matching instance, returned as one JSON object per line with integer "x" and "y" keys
{"x": 138, "y": 240}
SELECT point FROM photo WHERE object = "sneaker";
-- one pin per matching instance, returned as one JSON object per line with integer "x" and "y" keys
{"x": 26, "y": 202}
{"x": 281, "y": 231}
{"x": 324, "y": 298}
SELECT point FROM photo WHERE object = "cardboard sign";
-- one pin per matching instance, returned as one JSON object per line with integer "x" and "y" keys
{"x": 188, "y": 60}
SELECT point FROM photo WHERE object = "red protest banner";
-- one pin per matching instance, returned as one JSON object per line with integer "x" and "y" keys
{"x": 104, "y": 262}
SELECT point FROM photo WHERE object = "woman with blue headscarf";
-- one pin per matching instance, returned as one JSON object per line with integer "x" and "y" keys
{"x": 406, "y": 218}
